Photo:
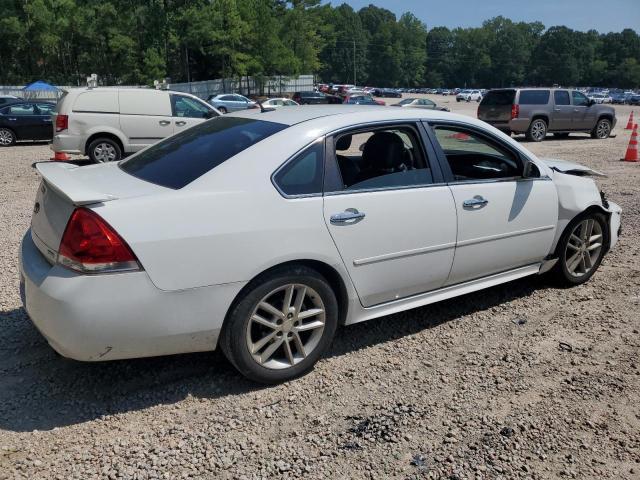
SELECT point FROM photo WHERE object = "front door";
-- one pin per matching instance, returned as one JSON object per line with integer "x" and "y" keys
{"x": 584, "y": 116}
{"x": 505, "y": 221}
{"x": 562, "y": 116}
{"x": 22, "y": 118}
{"x": 188, "y": 112}
{"x": 388, "y": 212}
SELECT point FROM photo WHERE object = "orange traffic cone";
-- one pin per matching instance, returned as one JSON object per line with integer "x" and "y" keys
{"x": 632, "y": 149}
{"x": 60, "y": 157}
{"x": 630, "y": 122}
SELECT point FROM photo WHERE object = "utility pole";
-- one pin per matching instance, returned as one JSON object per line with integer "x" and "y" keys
{"x": 354, "y": 63}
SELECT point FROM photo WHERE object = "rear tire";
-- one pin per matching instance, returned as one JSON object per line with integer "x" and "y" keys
{"x": 537, "y": 131}
{"x": 602, "y": 129}
{"x": 579, "y": 250}
{"x": 264, "y": 338}
{"x": 104, "y": 150}
{"x": 7, "y": 137}
{"x": 222, "y": 110}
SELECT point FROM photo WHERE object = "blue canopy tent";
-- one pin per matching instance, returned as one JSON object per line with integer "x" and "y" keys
{"x": 41, "y": 90}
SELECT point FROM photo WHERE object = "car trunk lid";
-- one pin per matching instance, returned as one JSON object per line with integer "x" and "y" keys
{"x": 66, "y": 186}
{"x": 496, "y": 105}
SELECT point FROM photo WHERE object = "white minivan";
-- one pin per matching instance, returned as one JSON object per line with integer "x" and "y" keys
{"x": 108, "y": 123}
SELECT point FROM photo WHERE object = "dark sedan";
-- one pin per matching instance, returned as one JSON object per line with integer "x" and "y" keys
{"x": 315, "y": 98}
{"x": 25, "y": 120}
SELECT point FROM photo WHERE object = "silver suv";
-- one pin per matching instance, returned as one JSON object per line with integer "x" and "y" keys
{"x": 537, "y": 111}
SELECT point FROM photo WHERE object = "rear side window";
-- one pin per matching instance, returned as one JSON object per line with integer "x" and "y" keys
{"x": 183, "y": 158}
{"x": 499, "y": 97}
{"x": 561, "y": 97}
{"x": 303, "y": 175}
{"x": 534, "y": 97}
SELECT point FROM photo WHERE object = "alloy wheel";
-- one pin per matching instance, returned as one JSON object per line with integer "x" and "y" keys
{"x": 603, "y": 130}
{"x": 104, "y": 152}
{"x": 285, "y": 326}
{"x": 538, "y": 130}
{"x": 6, "y": 137}
{"x": 583, "y": 247}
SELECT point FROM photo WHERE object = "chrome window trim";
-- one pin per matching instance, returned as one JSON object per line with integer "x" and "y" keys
{"x": 384, "y": 189}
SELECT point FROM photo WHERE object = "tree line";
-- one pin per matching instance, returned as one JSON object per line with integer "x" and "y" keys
{"x": 130, "y": 42}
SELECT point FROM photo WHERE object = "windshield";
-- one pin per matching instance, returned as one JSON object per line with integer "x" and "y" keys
{"x": 185, "y": 157}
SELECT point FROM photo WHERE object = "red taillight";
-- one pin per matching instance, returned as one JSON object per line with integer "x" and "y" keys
{"x": 515, "y": 111}
{"x": 62, "y": 122}
{"x": 91, "y": 245}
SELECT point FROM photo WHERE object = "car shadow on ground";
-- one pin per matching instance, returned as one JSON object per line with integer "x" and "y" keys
{"x": 40, "y": 390}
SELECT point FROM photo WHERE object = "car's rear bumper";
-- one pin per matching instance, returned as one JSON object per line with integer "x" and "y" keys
{"x": 72, "y": 144}
{"x": 115, "y": 316}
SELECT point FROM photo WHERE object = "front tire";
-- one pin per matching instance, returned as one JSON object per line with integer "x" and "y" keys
{"x": 537, "y": 131}
{"x": 103, "y": 150}
{"x": 602, "y": 129}
{"x": 581, "y": 249}
{"x": 281, "y": 326}
{"x": 7, "y": 137}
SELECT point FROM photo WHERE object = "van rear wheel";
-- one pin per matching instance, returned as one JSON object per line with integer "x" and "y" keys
{"x": 103, "y": 150}
{"x": 537, "y": 130}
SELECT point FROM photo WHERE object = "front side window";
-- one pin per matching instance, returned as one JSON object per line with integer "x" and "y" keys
{"x": 534, "y": 97}
{"x": 381, "y": 158}
{"x": 472, "y": 157}
{"x": 426, "y": 103}
{"x": 182, "y": 158}
{"x": 561, "y": 97}
{"x": 579, "y": 99}
{"x": 303, "y": 175}
{"x": 189, "y": 107}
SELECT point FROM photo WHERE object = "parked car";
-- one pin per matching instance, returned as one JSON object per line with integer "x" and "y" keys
{"x": 538, "y": 111}
{"x": 618, "y": 98}
{"x": 167, "y": 251}
{"x": 599, "y": 98}
{"x": 420, "y": 103}
{"x": 25, "y": 120}
{"x": 446, "y": 92}
{"x": 316, "y": 98}
{"x": 231, "y": 102}
{"x": 279, "y": 102}
{"x": 8, "y": 99}
{"x": 108, "y": 123}
{"x": 362, "y": 100}
{"x": 469, "y": 95}
{"x": 634, "y": 100}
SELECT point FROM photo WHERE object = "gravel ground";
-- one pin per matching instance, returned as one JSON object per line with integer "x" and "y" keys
{"x": 519, "y": 381}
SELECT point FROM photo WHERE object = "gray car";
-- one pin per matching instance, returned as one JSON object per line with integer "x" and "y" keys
{"x": 231, "y": 102}
{"x": 538, "y": 111}
{"x": 420, "y": 103}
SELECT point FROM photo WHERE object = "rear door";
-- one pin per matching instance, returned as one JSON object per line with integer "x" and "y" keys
{"x": 45, "y": 113}
{"x": 505, "y": 221}
{"x": 22, "y": 118}
{"x": 145, "y": 117}
{"x": 390, "y": 215}
{"x": 562, "y": 118}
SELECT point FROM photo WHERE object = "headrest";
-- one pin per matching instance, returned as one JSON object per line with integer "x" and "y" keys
{"x": 344, "y": 142}
{"x": 383, "y": 151}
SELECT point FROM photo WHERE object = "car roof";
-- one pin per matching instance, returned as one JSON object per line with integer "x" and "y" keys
{"x": 344, "y": 115}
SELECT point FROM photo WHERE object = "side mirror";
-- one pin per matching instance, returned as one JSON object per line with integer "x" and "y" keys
{"x": 530, "y": 170}
{"x": 210, "y": 114}
{"x": 590, "y": 102}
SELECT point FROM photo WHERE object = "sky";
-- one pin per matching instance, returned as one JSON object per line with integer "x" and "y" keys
{"x": 607, "y": 16}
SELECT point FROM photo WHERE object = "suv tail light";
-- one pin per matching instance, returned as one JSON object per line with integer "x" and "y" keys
{"x": 62, "y": 122}
{"x": 515, "y": 111}
{"x": 91, "y": 245}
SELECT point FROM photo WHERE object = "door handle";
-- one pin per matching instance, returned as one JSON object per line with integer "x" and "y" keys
{"x": 181, "y": 123}
{"x": 477, "y": 201}
{"x": 13, "y": 119}
{"x": 349, "y": 216}
{"x": 556, "y": 109}
{"x": 164, "y": 123}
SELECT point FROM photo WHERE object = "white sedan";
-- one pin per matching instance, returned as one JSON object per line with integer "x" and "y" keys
{"x": 279, "y": 102}
{"x": 260, "y": 233}
{"x": 469, "y": 95}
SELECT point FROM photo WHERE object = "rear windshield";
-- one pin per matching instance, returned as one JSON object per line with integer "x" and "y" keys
{"x": 181, "y": 159}
{"x": 499, "y": 97}
{"x": 534, "y": 97}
